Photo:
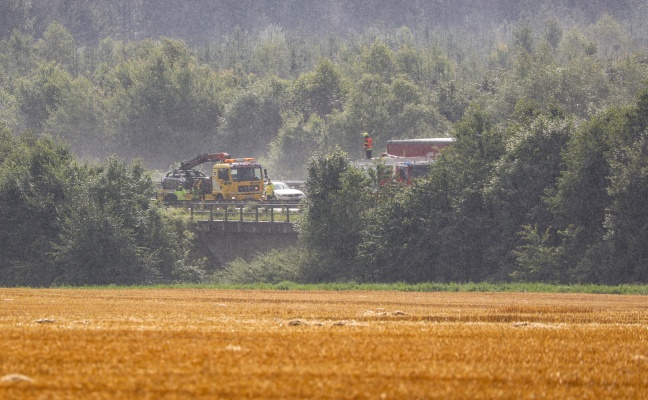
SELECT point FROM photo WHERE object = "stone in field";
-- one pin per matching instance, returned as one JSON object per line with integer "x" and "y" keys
{"x": 15, "y": 378}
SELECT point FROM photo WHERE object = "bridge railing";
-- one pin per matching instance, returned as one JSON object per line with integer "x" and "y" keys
{"x": 273, "y": 212}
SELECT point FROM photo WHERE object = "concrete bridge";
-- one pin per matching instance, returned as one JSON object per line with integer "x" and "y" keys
{"x": 228, "y": 231}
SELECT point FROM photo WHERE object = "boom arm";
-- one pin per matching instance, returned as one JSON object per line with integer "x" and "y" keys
{"x": 203, "y": 158}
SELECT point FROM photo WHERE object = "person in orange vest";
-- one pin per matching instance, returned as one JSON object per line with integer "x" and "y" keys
{"x": 368, "y": 144}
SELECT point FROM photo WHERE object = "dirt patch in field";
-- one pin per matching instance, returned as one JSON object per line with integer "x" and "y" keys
{"x": 205, "y": 344}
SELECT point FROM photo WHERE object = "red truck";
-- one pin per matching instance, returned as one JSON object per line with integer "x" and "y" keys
{"x": 406, "y": 159}
{"x": 411, "y": 158}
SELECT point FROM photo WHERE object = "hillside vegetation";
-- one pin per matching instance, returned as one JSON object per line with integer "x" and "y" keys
{"x": 547, "y": 102}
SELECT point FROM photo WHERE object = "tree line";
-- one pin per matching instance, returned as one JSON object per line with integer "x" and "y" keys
{"x": 201, "y": 21}
{"x": 543, "y": 199}
{"x": 280, "y": 93}
{"x": 70, "y": 223}
{"x": 544, "y": 182}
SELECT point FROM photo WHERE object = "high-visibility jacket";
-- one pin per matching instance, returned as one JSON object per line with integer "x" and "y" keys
{"x": 368, "y": 143}
{"x": 269, "y": 190}
{"x": 180, "y": 193}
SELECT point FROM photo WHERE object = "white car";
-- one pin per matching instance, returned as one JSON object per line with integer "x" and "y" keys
{"x": 284, "y": 193}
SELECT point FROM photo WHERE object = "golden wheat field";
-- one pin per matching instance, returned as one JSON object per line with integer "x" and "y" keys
{"x": 210, "y": 344}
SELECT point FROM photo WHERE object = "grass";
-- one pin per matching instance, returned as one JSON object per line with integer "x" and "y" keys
{"x": 637, "y": 289}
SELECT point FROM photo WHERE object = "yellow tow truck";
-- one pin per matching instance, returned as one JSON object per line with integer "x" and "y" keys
{"x": 232, "y": 179}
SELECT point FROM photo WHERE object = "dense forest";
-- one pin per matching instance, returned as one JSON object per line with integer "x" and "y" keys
{"x": 547, "y": 101}
{"x": 203, "y": 21}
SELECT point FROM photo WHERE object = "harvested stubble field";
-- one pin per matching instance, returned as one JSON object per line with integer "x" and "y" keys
{"x": 206, "y": 344}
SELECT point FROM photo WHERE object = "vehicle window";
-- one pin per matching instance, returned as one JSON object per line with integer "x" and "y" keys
{"x": 258, "y": 174}
{"x": 247, "y": 174}
{"x": 222, "y": 174}
{"x": 280, "y": 185}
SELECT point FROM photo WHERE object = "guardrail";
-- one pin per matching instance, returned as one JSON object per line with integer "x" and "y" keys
{"x": 274, "y": 212}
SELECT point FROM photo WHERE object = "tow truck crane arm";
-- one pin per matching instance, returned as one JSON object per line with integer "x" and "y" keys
{"x": 203, "y": 158}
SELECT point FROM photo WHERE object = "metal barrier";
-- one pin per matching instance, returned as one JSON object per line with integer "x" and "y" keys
{"x": 274, "y": 212}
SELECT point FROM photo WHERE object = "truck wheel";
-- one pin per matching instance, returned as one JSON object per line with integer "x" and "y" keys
{"x": 219, "y": 197}
{"x": 170, "y": 197}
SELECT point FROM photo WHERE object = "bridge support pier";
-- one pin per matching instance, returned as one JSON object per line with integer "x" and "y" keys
{"x": 228, "y": 240}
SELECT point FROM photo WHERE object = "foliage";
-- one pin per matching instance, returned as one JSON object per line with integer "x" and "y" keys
{"x": 321, "y": 91}
{"x": 40, "y": 94}
{"x": 334, "y": 216}
{"x": 519, "y": 183}
{"x": 467, "y": 221}
{"x": 111, "y": 233}
{"x": 627, "y": 213}
{"x": 167, "y": 104}
{"x": 273, "y": 267}
{"x": 545, "y": 180}
{"x": 483, "y": 287}
{"x": 253, "y": 118}
{"x": 34, "y": 176}
{"x": 79, "y": 224}
{"x": 296, "y": 140}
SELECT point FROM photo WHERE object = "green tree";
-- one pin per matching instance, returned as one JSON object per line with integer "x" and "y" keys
{"x": 166, "y": 106}
{"x": 465, "y": 246}
{"x": 296, "y": 142}
{"x": 379, "y": 60}
{"x": 402, "y": 241}
{"x": 78, "y": 119}
{"x": 35, "y": 174}
{"x": 553, "y": 33}
{"x": 321, "y": 91}
{"x": 112, "y": 234}
{"x": 253, "y": 119}
{"x": 40, "y": 94}
{"x": 8, "y": 109}
{"x": 581, "y": 197}
{"x": 20, "y": 53}
{"x": 626, "y": 216}
{"x": 575, "y": 45}
{"x": 271, "y": 54}
{"x": 409, "y": 62}
{"x": 367, "y": 112}
{"x": 522, "y": 177}
{"x": 440, "y": 228}
{"x": 334, "y": 217}
{"x": 453, "y": 101}
{"x": 58, "y": 46}
{"x": 523, "y": 40}
{"x": 610, "y": 37}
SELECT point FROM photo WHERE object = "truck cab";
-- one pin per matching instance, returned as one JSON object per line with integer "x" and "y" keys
{"x": 238, "y": 179}
{"x": 405, "y": 172}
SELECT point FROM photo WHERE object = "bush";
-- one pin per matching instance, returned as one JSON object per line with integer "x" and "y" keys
{"x": 113, "y": 234}
{"x": 273, "y": 267}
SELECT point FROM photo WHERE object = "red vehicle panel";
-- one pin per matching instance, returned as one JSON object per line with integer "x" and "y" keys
{"x": 427, "y": 148}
